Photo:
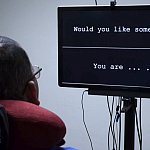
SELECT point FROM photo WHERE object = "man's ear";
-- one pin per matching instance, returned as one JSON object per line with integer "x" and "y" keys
{"x": 31, "y": 93}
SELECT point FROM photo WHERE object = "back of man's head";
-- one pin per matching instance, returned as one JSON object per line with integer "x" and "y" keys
{"x": 6, "y": 40}
{"x": 15, "y": 69}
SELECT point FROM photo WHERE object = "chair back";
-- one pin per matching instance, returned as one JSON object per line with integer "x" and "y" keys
{"x": 4, "y": 129}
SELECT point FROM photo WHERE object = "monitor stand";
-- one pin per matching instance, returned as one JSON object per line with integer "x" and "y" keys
{"x": 129, "y": 108}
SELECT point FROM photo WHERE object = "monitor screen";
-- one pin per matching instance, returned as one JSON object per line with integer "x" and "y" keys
{"x": 105, "y": 48}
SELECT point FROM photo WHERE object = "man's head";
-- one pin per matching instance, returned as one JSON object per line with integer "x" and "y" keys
{"x": 16, "y": 75}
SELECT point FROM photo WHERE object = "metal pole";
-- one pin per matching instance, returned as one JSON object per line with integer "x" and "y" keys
{"x": 129, "y": 131}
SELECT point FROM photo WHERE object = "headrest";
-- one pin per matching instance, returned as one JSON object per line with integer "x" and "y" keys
{"x": 4, "y": 129}
{"x": 32, "y": 127}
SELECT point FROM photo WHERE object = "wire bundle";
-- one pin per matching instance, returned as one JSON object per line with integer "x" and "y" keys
{"x": 114, "y": 129}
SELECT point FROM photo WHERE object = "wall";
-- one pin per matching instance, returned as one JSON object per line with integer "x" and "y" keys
{"x": 33, "y": 23}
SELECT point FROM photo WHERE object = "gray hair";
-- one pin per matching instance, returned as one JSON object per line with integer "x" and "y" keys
{"x": 15, "y": 69}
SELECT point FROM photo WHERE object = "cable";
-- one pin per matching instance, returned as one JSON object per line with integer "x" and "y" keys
{"x": 96, "y": 2}
{"x": 112, "y": 124}
{"x": 120, "y": 104}
{"x": 139, "y": 129}
{"x": 116, "y": 119}
{"x": 140, "y": 118}
{"x": 83, "y": 117}
{"x": 115, "y": 144}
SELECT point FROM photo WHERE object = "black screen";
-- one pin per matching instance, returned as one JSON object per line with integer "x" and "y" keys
{"x": 105, "y": 48}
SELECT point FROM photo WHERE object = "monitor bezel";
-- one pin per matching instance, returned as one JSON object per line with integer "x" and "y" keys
{"x": 99, "y": 89}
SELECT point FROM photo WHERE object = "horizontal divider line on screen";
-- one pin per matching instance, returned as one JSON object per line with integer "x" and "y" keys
{"x": 88, "y": 47}
{"x": 108, "y": 85}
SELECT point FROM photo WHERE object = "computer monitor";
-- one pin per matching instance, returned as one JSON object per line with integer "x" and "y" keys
{"x": 105, "y": 49}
